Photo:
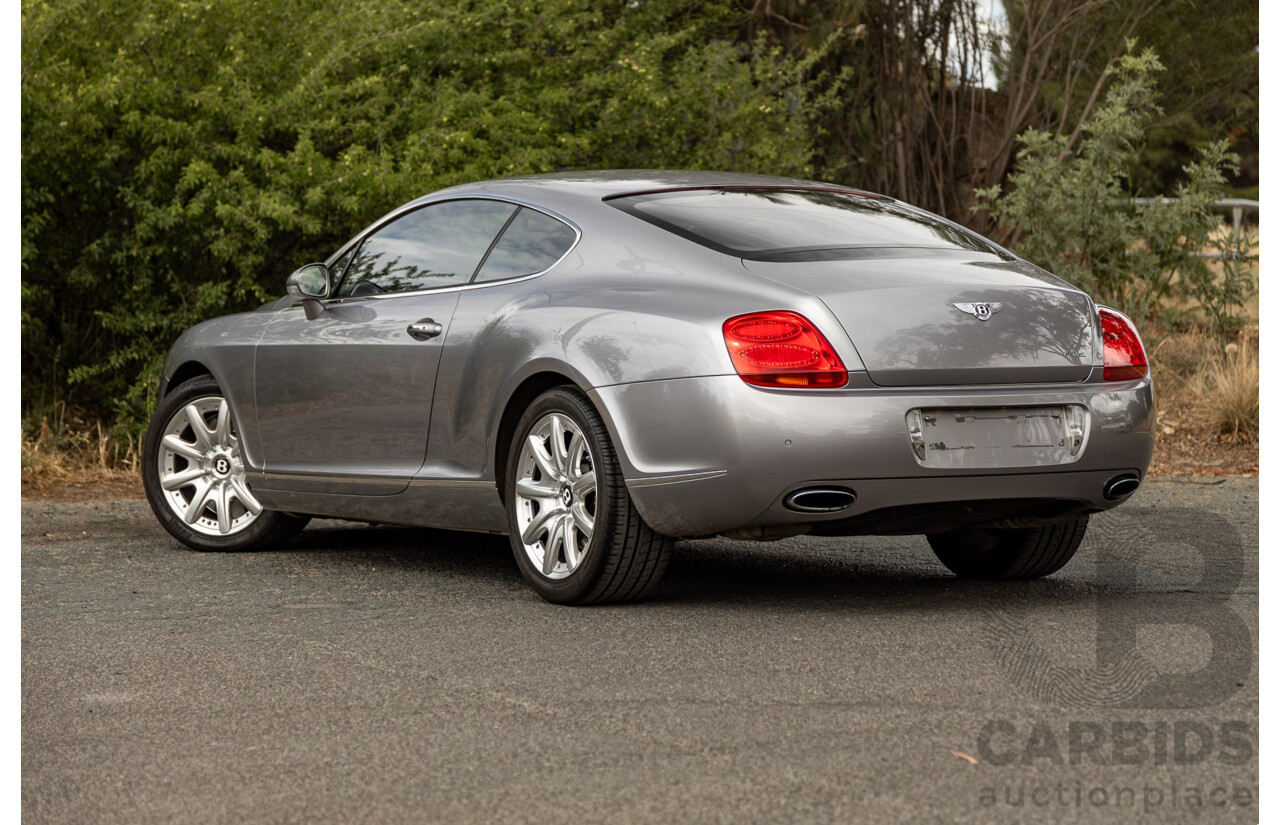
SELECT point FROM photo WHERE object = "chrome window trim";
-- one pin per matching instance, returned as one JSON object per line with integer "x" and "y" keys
{"x": 416, "y": 205}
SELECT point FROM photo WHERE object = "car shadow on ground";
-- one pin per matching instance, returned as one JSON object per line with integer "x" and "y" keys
{"x": 796, "y": 572}
{"x": 410, "y": 548}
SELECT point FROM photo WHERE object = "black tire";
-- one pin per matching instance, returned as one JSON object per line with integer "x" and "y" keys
{"x": 1023, "y": 553}
{"x": 620, "y": 558}
{"x": 210, "y": 458}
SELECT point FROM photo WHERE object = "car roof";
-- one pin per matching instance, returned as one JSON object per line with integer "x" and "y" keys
{"x": 583, "y": 186}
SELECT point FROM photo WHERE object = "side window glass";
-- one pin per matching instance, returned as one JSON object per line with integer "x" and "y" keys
{"x": 435, "y": 246}
{"x": 531, "y": 243}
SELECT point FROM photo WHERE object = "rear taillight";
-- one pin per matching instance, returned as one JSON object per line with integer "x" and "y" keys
{"x": 782, "y": 349}
{"x": 1123, "y": 357}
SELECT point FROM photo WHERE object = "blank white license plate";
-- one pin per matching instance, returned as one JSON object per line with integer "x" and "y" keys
{"x": 992, "y": 437}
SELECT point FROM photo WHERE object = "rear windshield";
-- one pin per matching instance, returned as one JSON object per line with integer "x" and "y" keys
{"x": 797, "y": 224}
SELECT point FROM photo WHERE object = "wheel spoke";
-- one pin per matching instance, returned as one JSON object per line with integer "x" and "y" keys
{"x": 558, "y": 451}
{"x": 245, "y": 497}
{"x": 198, "y": 501}
{"x": 182, "y": 448}
{"x": 198, "y": 428}
{"x": 222, "y": 428}
{"x": 584, "y": 485}
{"x": 571, "y": 554}
{"x": 224, "y": 509}
{"x": 530, "y": 533}
{"x": 555, "y": 541}
{"x": 544, "y": 461}
{"x": 182, "y": 479}
{"x": 529, "y": 488}
{"x": 573, "y": 456}
{"x": 583, "y": 520}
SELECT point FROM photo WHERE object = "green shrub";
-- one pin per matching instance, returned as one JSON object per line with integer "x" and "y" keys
{"x": 180, "y": 158}
{"x": 1067, "y": 208}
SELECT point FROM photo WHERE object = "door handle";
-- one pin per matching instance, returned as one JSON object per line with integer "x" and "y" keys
{"x": 424, "y": 330}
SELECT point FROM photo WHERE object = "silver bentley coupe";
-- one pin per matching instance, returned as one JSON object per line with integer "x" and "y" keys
{"x": 597, "y": 364}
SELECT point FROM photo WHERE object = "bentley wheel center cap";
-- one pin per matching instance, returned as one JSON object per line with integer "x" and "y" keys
{"x": 566, "y": 495}
{"x": 221, "y": 465}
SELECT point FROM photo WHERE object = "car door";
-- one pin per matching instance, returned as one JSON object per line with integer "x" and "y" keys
{"x": 344, "y": 399}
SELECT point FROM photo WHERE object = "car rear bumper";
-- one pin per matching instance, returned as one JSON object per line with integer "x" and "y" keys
{"x": 711, "y": 455}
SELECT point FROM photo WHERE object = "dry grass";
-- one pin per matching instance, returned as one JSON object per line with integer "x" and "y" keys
{"x": 65, "y": 450}
{"x": 1206, "y": 402}
{"x": 1225, "y": 389}
{"x": 1177, "y": 357}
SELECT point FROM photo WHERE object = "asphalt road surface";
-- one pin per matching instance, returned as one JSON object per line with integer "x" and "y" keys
{"x": 387, "y": 675}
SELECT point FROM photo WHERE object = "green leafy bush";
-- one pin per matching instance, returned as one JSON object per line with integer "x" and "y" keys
{"x": 181, "y": 157}
{"x": 1068, "y": 209}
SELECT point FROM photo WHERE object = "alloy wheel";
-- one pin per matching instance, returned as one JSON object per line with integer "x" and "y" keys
{"x": 555, "y": 494}
{"x": 201, "y": 471}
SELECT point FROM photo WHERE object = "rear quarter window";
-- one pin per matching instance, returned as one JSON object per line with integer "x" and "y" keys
{"x": 531, "y": 243}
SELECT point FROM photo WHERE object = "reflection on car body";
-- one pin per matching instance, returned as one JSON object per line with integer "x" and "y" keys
{"x": 597, "y": 364}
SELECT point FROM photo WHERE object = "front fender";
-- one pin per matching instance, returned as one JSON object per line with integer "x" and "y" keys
{"x": 224, "y": 348}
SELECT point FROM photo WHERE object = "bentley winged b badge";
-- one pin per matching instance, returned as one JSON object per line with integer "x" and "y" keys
{"x": 981, "y": 311}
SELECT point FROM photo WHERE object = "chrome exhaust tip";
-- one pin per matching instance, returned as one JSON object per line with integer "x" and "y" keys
{"x": 820, "y": 500}
{"x": 1120, "y": 487}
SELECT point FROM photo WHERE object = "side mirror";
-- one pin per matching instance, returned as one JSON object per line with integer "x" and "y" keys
{"x": 310, "y": 284}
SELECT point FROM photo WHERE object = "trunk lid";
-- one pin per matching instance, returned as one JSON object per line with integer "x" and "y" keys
{"x": 932, "y": 317}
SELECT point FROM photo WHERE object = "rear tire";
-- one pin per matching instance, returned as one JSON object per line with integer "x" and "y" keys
{"x": 1023, "y": 553}
{"x": 194, "y": 476}
{"x": 576, "y": 535}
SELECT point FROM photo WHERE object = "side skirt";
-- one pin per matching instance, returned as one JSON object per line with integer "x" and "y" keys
{"x": 442, "y": 504}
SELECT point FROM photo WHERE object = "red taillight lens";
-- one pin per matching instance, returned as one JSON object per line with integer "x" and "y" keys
{"x": 782, "y": 349}
{"x": 1123, "y": 356}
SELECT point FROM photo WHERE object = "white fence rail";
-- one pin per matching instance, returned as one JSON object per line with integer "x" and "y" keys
{"x": 1238, "y": 207}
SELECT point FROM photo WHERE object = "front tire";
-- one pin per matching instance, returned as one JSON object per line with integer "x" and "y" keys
{"x": 1022, "y": 553}
{"x": 194, "y": 475}
{"x": 576, "y": 535}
